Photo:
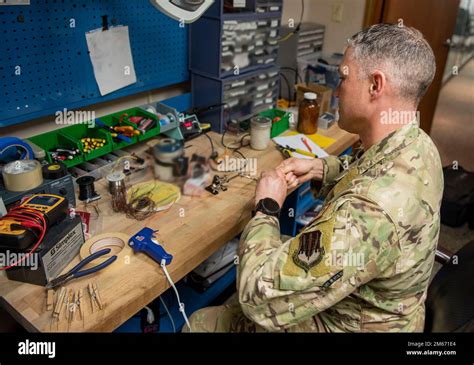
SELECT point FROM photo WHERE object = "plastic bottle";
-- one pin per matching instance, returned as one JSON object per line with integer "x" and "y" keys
{"x": 308, "y": 114}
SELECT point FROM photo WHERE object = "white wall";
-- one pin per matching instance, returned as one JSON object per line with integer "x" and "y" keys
{"x": 319, "y": 11}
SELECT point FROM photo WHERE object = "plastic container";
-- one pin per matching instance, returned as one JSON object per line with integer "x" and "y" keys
{"x": 112, "y": 120}
{"x": 55, "y": 139}
{"x": 79, "y": 131}
{"x": 166, "y": 151}
{"x": 308, "y": 114}
{"x": 280, "y": 120}
{"x": 260, "y": 130}
{"x": 139, "y": 112}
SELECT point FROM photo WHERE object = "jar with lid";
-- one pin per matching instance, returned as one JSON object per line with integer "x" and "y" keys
{"x": 167, "y": 152}
{"x": 260, "y": 130}
{"x": 308, "y": 114}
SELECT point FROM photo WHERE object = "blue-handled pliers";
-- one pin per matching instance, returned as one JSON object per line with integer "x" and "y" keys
{"x": 75, "y": 273}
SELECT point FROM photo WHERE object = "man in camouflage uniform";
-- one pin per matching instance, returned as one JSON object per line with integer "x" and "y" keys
{"x": 364, "y": 263}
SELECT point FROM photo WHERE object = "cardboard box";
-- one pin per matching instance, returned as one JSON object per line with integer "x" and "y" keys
{"x": 324, "y": 95}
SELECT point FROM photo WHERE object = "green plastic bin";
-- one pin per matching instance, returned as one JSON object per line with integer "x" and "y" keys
{"x": 79, "y": 131}
{"x": 282, "y": 125}
{"x": 55, "y": 139}
{"x": 138, "y": 112}
{"x": 112, "y": 120}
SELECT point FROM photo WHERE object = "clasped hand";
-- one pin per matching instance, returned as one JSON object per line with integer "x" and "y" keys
{"x": 288, "y": 175}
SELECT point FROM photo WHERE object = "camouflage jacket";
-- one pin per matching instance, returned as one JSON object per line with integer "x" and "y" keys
{"x": 364, "y": 263}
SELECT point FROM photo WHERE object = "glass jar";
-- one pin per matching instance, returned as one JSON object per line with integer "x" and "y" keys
{"x": 260, "y": 130}
{"x": 308, "y": 114}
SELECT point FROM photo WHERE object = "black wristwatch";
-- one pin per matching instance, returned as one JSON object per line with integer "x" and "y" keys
{"x": 268, "y": 206}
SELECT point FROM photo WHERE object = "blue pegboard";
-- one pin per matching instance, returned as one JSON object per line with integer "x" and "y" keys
{"x": 56, "y": 71}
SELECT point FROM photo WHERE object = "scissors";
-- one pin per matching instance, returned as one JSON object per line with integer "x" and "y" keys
{"x": 75, "y": 273}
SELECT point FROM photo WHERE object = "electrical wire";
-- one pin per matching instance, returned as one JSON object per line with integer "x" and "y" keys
{"x": 27, "y": 219}
{"x": 298, "y": 27}
{"x": 287, "y": 84}
{"x": 180, "y": 304}
{"x": 295, "y": 70}
{"x": 212, "y": 146}
{"x": 169, "y": 314}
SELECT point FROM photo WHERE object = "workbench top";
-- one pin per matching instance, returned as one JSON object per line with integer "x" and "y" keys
{"x": 191, "y": 230}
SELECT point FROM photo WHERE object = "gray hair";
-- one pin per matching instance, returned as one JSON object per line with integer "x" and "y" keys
{"x": 401, "y": 52}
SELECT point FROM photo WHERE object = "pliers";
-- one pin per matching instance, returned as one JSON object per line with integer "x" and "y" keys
{"x": 287, "y": 151}
{"x": 75, "y": 273}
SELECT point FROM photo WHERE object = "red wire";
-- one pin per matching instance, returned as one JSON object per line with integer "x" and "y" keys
{"x": 33, "y": 219}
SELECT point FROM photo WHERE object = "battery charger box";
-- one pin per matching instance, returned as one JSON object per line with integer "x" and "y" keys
{"x": 61, "y": 243}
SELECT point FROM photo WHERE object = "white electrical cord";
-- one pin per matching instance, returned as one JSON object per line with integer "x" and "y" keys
{"x": 150, "y": 317}
{"x": 181, "y": 305}
{"x": 169, "y": 314}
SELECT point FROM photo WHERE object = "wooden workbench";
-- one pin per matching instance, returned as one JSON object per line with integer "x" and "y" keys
{"x": 207, "y": 224}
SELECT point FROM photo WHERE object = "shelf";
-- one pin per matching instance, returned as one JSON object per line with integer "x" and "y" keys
{"x": 231, "y": 48}
{"x": 209, "y": 91}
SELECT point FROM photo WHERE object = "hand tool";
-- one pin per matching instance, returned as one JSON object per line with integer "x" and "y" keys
{"x": 145, "y": 241}
{"x": 110, "y": 129}
{"x": 287, "y": 151}
{"x": 75, "y": 273}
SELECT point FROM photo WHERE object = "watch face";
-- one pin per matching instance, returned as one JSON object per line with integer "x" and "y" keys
{"x": 270, "y": 205}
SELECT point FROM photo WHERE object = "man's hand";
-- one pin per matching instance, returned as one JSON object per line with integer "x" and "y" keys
{"x": 300, "y": 170}
{"x": 272, "y": 184}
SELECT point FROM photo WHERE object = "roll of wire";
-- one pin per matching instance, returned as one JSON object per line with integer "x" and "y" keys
{"x": 118, "y": 191}
{"x": 87, "y": 191}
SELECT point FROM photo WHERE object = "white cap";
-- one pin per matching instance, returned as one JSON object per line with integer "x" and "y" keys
{"x": 310, "y": 96}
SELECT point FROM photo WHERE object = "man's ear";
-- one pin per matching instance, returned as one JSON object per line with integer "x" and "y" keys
{"x": 377, "y": 84}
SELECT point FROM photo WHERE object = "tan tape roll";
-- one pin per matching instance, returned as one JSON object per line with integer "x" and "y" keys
{"x": 117, "y": 242}
{"x": 22, "y": 175}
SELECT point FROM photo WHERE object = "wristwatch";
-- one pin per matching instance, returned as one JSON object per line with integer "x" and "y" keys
{"x": 268, "y": 206}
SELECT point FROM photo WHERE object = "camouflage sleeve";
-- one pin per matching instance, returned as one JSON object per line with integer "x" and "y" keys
{"x": 332, "y": 167}
{"x": 281, "y": 284}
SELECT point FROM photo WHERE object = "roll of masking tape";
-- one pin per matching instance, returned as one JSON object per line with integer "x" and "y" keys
{"x": 118, "y": 244}
{"x": 22, "y": 175}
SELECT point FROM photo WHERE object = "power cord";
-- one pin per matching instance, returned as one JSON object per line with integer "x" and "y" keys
{"x": 283, "y": 76}
{"x": 298, "y": 27}
{"x": 169, "y": 314}
{"x": 180, "y": 304}
{"x": 28, "y": 219}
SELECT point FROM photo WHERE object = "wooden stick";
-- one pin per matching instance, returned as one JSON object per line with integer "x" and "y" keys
{"x": 49, "y": 300}
{"x": 79, "y": 302}
{"x": 97, "y": 295}
{"x": 92, "y": 296}
{"x": 81, "y": 306}
{"x": 66, "y": 302}
{"x": 75, "y": 305}
{"x": 59, "y": 302}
